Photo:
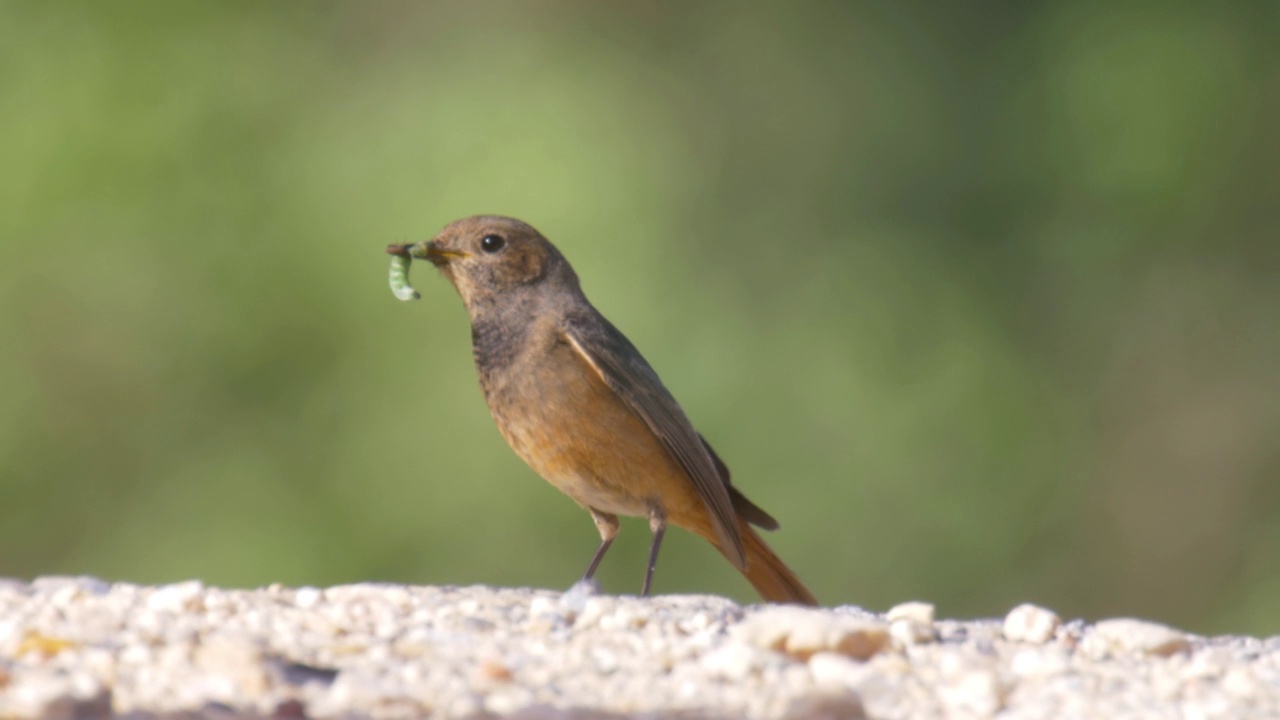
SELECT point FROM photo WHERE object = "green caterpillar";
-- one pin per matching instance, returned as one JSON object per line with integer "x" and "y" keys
{"x": 399, "y": 278}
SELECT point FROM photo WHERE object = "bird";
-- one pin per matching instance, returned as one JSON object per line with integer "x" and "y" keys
{"x": 581, "y": 406}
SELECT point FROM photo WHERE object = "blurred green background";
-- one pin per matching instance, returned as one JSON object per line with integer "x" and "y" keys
{"x": 982, "y": 303}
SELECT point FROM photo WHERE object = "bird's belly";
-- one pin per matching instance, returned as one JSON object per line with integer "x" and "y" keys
{"x": 572, "y": 429}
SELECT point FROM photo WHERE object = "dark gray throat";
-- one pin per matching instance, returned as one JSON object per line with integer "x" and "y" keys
{"x": 500, "y": 332}
{"x": 495, "y": 344}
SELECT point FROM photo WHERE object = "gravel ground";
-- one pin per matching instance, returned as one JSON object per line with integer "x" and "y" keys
{"x": 81, "y": 647}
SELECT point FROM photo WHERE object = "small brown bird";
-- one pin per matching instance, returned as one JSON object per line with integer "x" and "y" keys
{"x": 578, "y": 403}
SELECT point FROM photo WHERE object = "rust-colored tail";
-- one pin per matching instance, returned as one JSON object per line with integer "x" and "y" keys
{"x": 769, "y": 575}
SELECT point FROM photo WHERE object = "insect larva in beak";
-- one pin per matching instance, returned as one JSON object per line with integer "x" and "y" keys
{"x": 399, "y": 278}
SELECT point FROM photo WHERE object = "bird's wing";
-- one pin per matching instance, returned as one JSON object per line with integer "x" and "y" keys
{"x": 622, "y": 368}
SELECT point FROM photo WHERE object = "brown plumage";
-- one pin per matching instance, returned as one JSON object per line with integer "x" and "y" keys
{"x": 579, "y": 404}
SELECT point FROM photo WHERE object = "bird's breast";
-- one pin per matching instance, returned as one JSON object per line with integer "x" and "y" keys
{"x": 564, "y": 421}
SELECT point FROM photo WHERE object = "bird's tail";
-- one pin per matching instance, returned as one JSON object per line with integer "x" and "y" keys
{"x": 769, "y": 575}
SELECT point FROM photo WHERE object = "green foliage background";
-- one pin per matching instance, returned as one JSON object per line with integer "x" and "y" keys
{"x": 980, "y": 300}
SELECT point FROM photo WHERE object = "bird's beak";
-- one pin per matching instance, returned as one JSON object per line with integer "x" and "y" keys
{"x": 436, "y": 255}
{"x": 425, "y": 250}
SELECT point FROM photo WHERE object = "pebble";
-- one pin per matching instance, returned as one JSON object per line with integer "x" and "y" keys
{"x": 917, "y": 612}
{"x": 732, "y": 661}
{"x": 801, "y": 632}
{"x": 176, "y": 598}
{"x": 1029, "y": 623}
{"x": 834, "y": 668}
{"x": 1127, "y": 635}
{"x": 973, "y": 693}
{"x": 1033, "y": 661}
{"x": 79, "y": 647}
{"x": 910, "y": 632}
{"x": 308, "y": 597}
{"x": 911, "y": 623}
{"x": 233, "y": 665}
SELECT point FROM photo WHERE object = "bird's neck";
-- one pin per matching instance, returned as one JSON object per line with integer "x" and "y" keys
{"x": 500, "y": 331}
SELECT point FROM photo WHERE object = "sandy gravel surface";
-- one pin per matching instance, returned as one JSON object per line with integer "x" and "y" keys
{"x": 80, "y": 647}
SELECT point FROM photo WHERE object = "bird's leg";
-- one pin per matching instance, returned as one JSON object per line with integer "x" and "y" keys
{"x": 658, "y": 525}
{"x": 607, "y": 524}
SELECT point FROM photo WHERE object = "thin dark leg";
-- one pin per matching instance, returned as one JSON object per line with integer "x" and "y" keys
{"x": 595, "y": 559}
{"x": 607, "y": 524}
{"x": 659, "y": 526}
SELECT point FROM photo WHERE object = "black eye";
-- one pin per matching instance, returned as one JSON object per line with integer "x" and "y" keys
{"x": 492, "y": 243}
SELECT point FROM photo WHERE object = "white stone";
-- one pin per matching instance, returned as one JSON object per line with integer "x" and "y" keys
{"x": 234, "y": 663}
{"x": 624, "y": 617}
{"x": 801, "y": 632}
{"x": 1238, "y": 681}
{"x": 543, "y": 605}
{"x": 177, "y": 598}
{"x": 1038, "y": 661}
{"x": 308, "y": 597}
{"x": 733, "y": 661}
{"x": 606, "y": 660}
{"x": 975, "y": 693}
{"x": 1030, "y": 624}
{"x": 1127, "y": 635}
{"x": 9, "y": 635}
{"x": 906, "y": 631}
{"x": 593, "y": 609}
{"x": 833, "y": 668}
{"x": 918, "y": 612}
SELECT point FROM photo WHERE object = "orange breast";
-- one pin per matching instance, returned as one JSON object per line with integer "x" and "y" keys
{"x": 570, "y": 427}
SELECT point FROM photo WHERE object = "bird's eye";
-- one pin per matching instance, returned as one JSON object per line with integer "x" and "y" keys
{"x": 492, "y": 243}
